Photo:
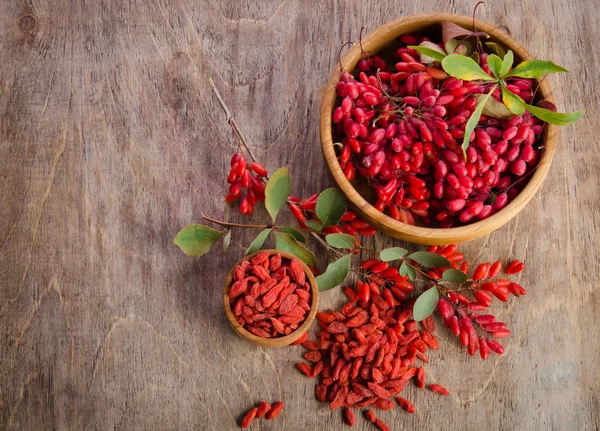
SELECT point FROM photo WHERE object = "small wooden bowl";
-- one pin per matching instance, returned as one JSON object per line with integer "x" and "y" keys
{"x": 280, "y": 341}
{"x": 374, "y": 42}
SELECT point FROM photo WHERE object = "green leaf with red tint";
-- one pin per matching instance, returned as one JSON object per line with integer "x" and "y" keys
{"x": 453, "y": 31}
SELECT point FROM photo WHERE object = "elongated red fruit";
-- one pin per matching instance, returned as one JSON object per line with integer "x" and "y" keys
{"x": 350, "y": 417}
{"x": 259, "y": 169}
{"x": 263, "y": 408}
{"x": 249, "y": 417}
{"x": 438, "y": 389}
{"x": 275, "y": 410}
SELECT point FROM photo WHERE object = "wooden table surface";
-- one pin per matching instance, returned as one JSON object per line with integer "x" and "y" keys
{"x": 111, "y": 141}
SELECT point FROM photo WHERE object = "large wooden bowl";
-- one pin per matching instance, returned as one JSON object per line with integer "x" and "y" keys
{"x": 372, "y": 43}
{"x": 280, "y": 341}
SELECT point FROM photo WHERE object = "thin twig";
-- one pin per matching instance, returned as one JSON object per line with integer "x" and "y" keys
{"x": 327, "y": 246}
{"x": 236, "y": 130}
{"x": 227, "y": 224}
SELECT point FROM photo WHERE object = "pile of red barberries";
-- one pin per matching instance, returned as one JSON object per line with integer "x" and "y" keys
{"x": 250, "y": 179}
{"x": 401, "y": 128}
{"x": 270, "y": 295}
{"x": 463, "y": 316}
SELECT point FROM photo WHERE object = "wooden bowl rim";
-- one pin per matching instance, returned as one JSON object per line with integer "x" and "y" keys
{"x": 373, "y": 42}
{"x": 280, "y": 341}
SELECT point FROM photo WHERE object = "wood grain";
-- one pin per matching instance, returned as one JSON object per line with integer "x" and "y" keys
{"x": 111, "y": 141}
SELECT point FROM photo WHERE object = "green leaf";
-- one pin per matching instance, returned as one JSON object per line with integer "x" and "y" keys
{"x": 277, "y": 191}
{"x": 335, "y": 274}
{"x": 460, "y": 47}
{"x": 286, "y": 242}
{"x": 197, "y": 239}
{"x": 507, "y": 63}
{"x": 392, "y": 253}
{"x": 313, "y": 224}
{"x": 331, "y": 206}
{"x": 294, "y": 232}
{"x": 474, "y": 119}
{"x": 340, "y": 240}
{"x": 535, "y": 69}
{"x": 495, "y": 64}
{"x": 454, "y": 276}
{"x": 496, "y": 49}
{"x": 425, "y": 304}
{"x": 429, "y": 260}
{"x": 258, "y": 241}
{"x": 406, "y": 270}
{"x": 514, "y": 103}
{"x": 226, "y": 241}
{"x": 429, "y": 52}
{"x": 495, "y": 109}
{"x": 464, "y": 68}
{"x": 556, "y": 118}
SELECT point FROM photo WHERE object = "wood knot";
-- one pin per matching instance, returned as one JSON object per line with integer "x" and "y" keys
{"x": 28, "y": 23}
{"x": 504, "y": 28}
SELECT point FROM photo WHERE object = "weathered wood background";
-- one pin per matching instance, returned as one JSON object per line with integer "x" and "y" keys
{"x": 111, "y": 141}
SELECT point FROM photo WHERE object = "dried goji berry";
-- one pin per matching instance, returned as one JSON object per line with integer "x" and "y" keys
{"x": 275, "y": 410}
{"x": 249, "y": 417}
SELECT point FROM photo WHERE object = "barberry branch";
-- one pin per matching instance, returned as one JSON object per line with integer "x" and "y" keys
{"x": 236, "y": 131}
{"x": 240, "y": 138}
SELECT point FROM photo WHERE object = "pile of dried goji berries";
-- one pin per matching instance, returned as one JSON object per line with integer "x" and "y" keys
{"x": 366, "y": 354}
{"x": 270, "y": 295}
{"x": 264, "y": 409}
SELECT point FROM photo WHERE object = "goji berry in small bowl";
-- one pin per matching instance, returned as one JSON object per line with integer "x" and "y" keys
{"x": 424, "y": 202}
{"x": 270, "y": 298}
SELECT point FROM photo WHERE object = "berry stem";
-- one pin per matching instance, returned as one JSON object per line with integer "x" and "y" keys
{"x": 227, "y": 224}
{"x": 236, "y": 131}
